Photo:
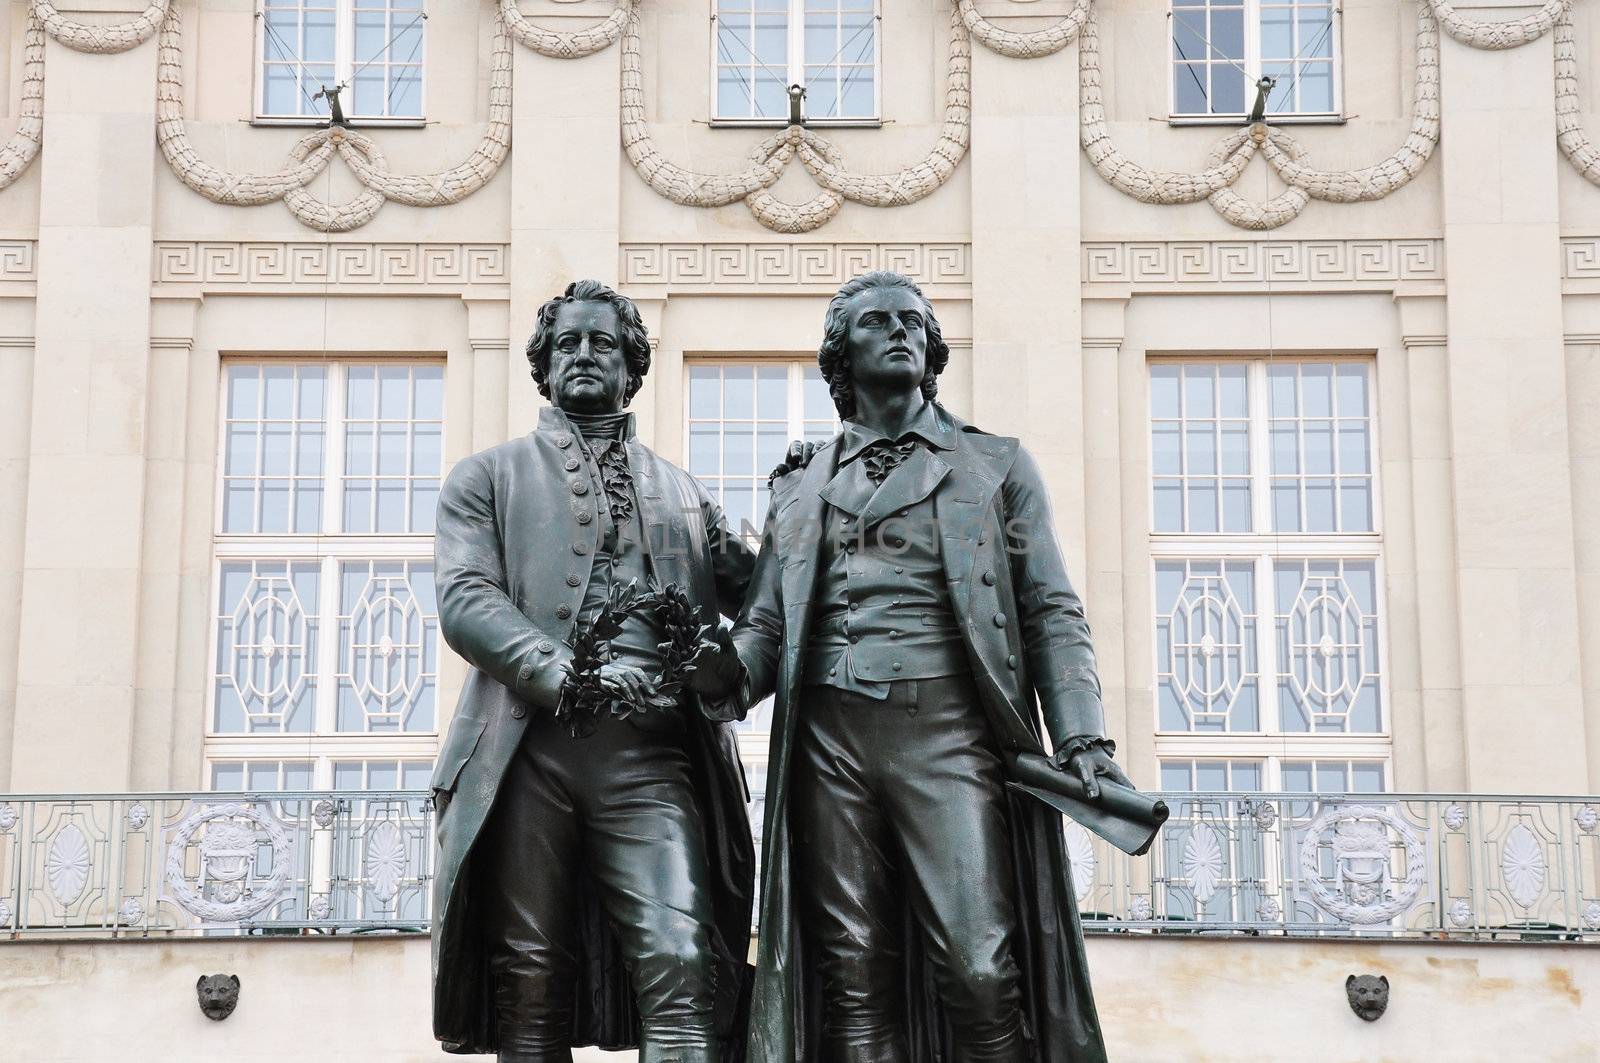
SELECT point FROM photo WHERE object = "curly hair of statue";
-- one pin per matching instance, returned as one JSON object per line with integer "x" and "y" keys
{"x": 835, "y": 365}
{"x": 635, "y": 337}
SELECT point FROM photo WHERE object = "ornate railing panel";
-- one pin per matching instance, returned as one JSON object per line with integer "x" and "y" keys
{"x": 1370, "y": 865}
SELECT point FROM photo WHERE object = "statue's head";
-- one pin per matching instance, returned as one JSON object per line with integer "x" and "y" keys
{"x": 1368, "y": 995}
{"x": 880, "y": 333}
{"x": 219, "y": 995}
{"x": 589, "y": 350}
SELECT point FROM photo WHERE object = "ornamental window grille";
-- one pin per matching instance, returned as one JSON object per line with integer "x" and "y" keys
{"x": 372, "y": 51}
{"x": 1266, "y": 562}
{"x": 325, "y": 639}
{"x": 828, "y": 47}
{"x": 1221, "y": 48}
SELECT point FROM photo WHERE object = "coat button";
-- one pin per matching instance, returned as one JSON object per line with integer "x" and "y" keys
{"x": 580, "y": 487}
{"x": 988, "y": 579}
{"x": 573, "y": 580}
{"x": 563, "y": 441}
{"x": 580, "y": 548}
{"x": 571, "y": 465}
{"x": 563, "y": 611}
{"x": 896, "y": 666}
{"x": 854, "y": 639}
{"x": 585, "y": 518}
{"x": 545, "y": 646}
{"x": 899, "y": 569}
{"x": 999, "y": 620}
{"x": 518, "y": 711}
{"x": 832, "y": 672}
{"x": 1011, "y": 662}
{"x": 894, "y": 636}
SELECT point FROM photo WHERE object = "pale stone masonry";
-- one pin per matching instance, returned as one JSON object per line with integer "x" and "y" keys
{"x": 1439, "y": 232}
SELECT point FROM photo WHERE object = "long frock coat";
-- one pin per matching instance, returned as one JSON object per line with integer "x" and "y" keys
{"x": 1028, "y": 642}
{"x": 517, "y": 530}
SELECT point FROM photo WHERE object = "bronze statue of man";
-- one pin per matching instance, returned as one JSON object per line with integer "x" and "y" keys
{"x": 912, "y": 612}
{"x": 590, "y": 890}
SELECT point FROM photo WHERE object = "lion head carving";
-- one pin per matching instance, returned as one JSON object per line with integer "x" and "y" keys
{"x": 1368, "y": 993}
{"x": 219, "y": 995}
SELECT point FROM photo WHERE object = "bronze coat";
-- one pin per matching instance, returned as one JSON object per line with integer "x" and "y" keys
{"x": 517, "y": 530}
{"x": 1028, "y": 643}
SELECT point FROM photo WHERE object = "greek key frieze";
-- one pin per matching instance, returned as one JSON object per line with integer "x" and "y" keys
{"x": 1261, "y": 262}
{"x": 823, "y": 265}
{"x": 351, "y": 263}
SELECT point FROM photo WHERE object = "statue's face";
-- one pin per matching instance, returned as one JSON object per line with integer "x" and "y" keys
{"x": 887, "y": 341}
{"x": 588, "y": 370}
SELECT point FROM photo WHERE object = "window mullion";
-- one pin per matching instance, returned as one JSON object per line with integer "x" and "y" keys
{"x": 333, "y": 465}
{"x": 344, "y": 45}
{"x": 797, "y": 384}
{"x": 1260, "y": 449}
{"x": 796, "y": 38}
{"x": 1266, "y": 646}
{"x": 1252, "y": 47}
{"x": 327, "y": 648}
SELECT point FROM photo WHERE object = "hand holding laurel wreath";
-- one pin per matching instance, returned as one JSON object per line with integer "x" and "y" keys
{"x": 597, "y": 686}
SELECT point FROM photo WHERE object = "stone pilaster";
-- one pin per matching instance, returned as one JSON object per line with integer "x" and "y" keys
{"x": 565, "y": 207}
{"x": 84, "y": 530}
{"x": 1506, "y": 376}
{"x": 1026, "y": 234}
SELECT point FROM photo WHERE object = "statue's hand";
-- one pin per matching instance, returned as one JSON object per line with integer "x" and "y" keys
{"x": 798, "y": 457}
{"x": 627, "y": 683}
{"x": 715, "y": 669}
{"x": 1089, "y": 762}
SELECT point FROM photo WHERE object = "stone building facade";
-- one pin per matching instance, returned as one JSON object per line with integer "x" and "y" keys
{"x": 1317, "y": 398}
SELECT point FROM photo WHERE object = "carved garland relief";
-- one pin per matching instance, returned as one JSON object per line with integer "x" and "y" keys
{"x": 1228, "y": 158}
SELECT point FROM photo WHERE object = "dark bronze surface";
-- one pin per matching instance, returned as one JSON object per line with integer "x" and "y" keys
{"x": 591, "y": 891}
{"x": 913, "y": 908}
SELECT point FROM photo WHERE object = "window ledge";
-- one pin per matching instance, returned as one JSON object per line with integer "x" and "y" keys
{"x": 783, "y": 123}
{"x": 1239, "y": 120}
{"x": 353, "y": 123}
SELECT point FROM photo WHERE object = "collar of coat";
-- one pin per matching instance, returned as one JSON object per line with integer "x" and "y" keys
{"x": 969, "y": 472}
{"x": 555, "y": 419}
{"x": 932, "y": 424}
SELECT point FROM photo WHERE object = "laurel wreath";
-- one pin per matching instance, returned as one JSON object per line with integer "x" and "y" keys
{"x": 584, "y": 699}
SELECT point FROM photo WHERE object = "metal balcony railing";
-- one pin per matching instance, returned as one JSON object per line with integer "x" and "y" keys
{"x": 1368, "y": 865}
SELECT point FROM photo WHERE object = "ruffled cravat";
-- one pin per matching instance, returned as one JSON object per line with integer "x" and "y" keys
{"x": 603, "y": 437}
{"x": 880, "y": 458}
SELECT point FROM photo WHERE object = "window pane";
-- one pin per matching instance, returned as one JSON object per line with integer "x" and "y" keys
{"x": 1227, "y": 89}
{"x": 740, "y": 427}
{"x": 394, "y": 446}
{"x": 273, "y": 429}
{"x": 1175, "y": 775}
{"x": 1164, "y": 384}
{"x": 839, "y": 55}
